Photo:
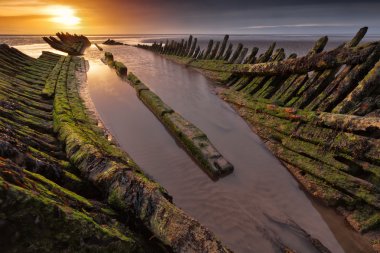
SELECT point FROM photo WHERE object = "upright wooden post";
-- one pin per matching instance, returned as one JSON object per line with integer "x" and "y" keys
{"x": 209, "y": 48}
{"x": 252, "y": 57}
{"x": 242, "y": 56}
{"x": 222, "y": 48}
{"x": 196, "y": 53}
{"x": 228, "y": 52}
{"x": 192, "y": 49}
{"x": 214, "y": 51}
{"x": 236, "y": 53}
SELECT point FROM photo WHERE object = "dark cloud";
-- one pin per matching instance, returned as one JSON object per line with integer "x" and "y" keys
{"x": 252, "y": 16}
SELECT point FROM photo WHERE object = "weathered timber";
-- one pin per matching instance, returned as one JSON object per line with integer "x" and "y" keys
{"x": 192, "y": 138}
{"x": 214, "y": 51}
{"x": 98, "y": 47}
{"x": 183, "y": 50}
{"x": 358, "y": 37}
{"x": 236, "y": 54}
{"x": 111, "y": 42}
{"x": 120, "y": 68}
{"x": 305, "y": 64}
{"x": 179, "y": 47}
{"x": 44, "y": 198}
{"x": 242, "y": 56}
{"x": 267, "y": 54}
{"x": 228, "y": 52}
{"x": 319, "y": 46}
{"x": 222, "y": 48}
{"x": 192, "y": 49}
{"x": 366, "y": 86}
{"x": 252, "y": 84}
{"x": 200, "y": 55}
{"x": 331, "y": 78}
{"x": 349, "y": 82}
{"x": 119, "y": 178}
{"x": 252, "y": 57}
{"x": 319, "y": 114}
{"x": 108, "y": 58}
{"x": 52, "y": 80}
{"x": 71, "y": 44}
{"x": 336, "y": 123}
{"x": 245, "y": 82}
{"x": 209, "y": 48}
{"x": 196, "y": 53}
{"x": 65, "y": 186}
{"x": 189, "y": 45}
{"x": 274, "y": 82}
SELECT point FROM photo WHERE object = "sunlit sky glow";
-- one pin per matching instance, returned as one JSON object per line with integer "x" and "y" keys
{"x": 194, "y": 16}
{"x": 63, "y": 15}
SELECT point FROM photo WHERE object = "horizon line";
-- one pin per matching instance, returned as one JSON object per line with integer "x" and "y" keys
{"x": 221, "y": 34}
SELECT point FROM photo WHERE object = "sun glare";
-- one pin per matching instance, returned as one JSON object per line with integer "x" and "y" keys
{"x": 63, "y": 15}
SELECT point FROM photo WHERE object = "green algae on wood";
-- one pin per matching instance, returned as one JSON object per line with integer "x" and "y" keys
{"x": 56, "y": 173}
{"x": 193, "y": 139}
{"x": 45, "y": 201}
{"x": 120, "y": 68}
{"x": 335, "y": 156}
{"x": 115, "y": 174}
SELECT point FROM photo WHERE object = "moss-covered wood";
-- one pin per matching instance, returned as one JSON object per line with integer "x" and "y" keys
{"x": 114, "y": 173}
{"x": 63, "y": 184}
{"x": 68, "y": 43}
{"x": 319, "y": 114}
{"x": 45, "y": 203}
{"x": 120, "y": 68}
{"x": 193, "y": 139}
{"x": 332, "y": 155}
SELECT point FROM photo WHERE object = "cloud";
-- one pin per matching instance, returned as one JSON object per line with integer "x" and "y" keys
{"x": 296, "y": 25}
{"x": 20, "y": 8}
{"x": 19, "y": 3}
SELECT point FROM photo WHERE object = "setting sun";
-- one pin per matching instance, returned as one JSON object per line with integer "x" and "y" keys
{"x": 63, "y": 15}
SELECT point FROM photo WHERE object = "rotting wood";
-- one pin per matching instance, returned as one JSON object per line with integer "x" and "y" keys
{"x": 71, "y": 44}
{"x": 193, "y": 139}
{"x": 335, "y": 156}
{"x": 222, "y": 48}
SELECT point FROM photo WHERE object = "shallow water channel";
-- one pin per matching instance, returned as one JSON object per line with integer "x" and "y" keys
{"x": 248, "y": 210}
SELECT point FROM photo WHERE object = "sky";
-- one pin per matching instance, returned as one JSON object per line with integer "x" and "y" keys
{"x": 191, "y": 16}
